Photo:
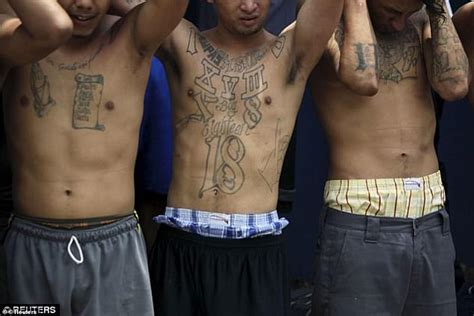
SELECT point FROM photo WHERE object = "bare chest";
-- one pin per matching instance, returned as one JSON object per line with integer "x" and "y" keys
{"x": 400, "y": 57}
{"x": 88, "y": 93}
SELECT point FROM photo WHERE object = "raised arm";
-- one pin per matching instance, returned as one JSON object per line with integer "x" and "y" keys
{"x": 314, "y": 26}
{"x": 39, "y": 27}
{"x": 447, "y": 63}
{"x": 463, "y": 20}
{"x": 152, "y": 21}
{"x": 354, "y": 48}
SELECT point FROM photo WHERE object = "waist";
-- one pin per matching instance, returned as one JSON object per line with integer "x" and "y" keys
{"x": 391, "y": 197}
{"x": 223, "y": 225}
{"x": 361, "y": 163}
{"x": 385, "y": 224}
{"x": 74, "y": 199}
{"x": 248, "y": 200}
{"x": 36, "y": 227}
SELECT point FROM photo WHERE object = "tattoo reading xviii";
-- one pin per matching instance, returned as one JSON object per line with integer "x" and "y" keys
{"x": 218, "y": 103}
{"x": 87, "y": 102}
{"x": 40, "y": 89}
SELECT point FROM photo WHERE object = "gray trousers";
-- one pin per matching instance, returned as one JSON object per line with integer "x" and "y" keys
{"x": 384, "y": 266}
{"x": 96, "y": 271}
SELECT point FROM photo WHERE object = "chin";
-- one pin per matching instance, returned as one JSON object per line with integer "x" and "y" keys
{"x": 250, "y": 31}
{"x": 82, "y": 33}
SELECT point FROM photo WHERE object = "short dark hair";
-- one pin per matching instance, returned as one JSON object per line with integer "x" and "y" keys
{"x": 435, "y": 8}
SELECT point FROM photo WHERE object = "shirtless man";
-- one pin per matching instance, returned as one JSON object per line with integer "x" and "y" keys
{"x": 236, "y": 91}
{"x": 385, "y": 246}
{"x": 463, "y": 19}
{"x": 42, "y": 26}
{"x": 72, "y": 122}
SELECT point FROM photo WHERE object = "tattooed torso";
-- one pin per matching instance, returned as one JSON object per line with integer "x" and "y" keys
{"x": 233, "y": 117}
{"x": 72, "y": 123}
{"x": 387, "y": 135}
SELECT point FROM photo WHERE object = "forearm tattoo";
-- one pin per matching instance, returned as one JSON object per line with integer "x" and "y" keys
{"x": 366, "y": 56}
{"x": 449, "y": 58}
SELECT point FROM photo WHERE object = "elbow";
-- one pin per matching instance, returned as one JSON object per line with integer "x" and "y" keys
{"x": 63, "y": 28}
{"x": 452, "y": 90}
{"x": 58, "y": 30}
{"x": 364, "y": 85}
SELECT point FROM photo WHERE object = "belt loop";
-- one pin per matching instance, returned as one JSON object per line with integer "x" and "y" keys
{"x": 372, "y": 231}
{"x": 446, "y": 227}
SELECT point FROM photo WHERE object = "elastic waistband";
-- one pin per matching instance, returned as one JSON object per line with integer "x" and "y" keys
{"x": 374, "y": 224}
{"x": 399, "y": 197}
{"x": 424, "y": 182}
{"x": 221, "y": 225}
{"x": 262, "y": 241}
{"x": 33, "y": 229}
{"x": 80, "y": 223}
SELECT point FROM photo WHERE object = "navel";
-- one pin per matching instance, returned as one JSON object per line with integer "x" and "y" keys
{"x": 110, "y": 105}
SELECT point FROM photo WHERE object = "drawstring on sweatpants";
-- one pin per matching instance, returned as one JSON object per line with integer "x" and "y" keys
{"x": 78, "y": 245}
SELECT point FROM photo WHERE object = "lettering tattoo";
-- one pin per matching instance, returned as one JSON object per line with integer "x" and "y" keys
{"x": 222, "y": 60}
{"x": 227, "y": 175}
{"x": 40, "y": 89}
{"x": 366, "y": 56}
{"x": 87, "y": 102}
{"x": 227, "y": 95}
{"x": 270, "y": 170}
{"x": 76, "y": 65}
{"x": 398, "y": 55}
{"x": 255, "y": 85}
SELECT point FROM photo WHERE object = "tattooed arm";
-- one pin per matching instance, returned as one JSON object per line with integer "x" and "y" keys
{"x": 464, "y": 22}
{"x": 314, "y": 26}
{"x": 39, "y": 27}
{"x": 356, "y": 48}
{"x": 446, "y": 61}
{"x": 151, "y": 22}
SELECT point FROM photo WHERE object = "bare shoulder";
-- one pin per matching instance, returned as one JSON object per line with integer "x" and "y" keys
{"x": 463, "y": 19}
{"x": 183, "y": 31}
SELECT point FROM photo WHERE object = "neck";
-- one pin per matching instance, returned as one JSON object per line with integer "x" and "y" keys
{"x": 238, "y": 42}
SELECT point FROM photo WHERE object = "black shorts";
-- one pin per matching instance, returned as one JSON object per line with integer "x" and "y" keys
{"x": 197, "y": 275}
{"x": 367, "y": 266}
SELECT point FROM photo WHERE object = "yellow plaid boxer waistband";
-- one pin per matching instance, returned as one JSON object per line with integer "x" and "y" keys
{"x": 399, "y": 197}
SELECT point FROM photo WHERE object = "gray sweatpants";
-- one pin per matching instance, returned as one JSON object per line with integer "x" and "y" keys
{"x": 378, "y": 266}
{"x": 97, "y": 271}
